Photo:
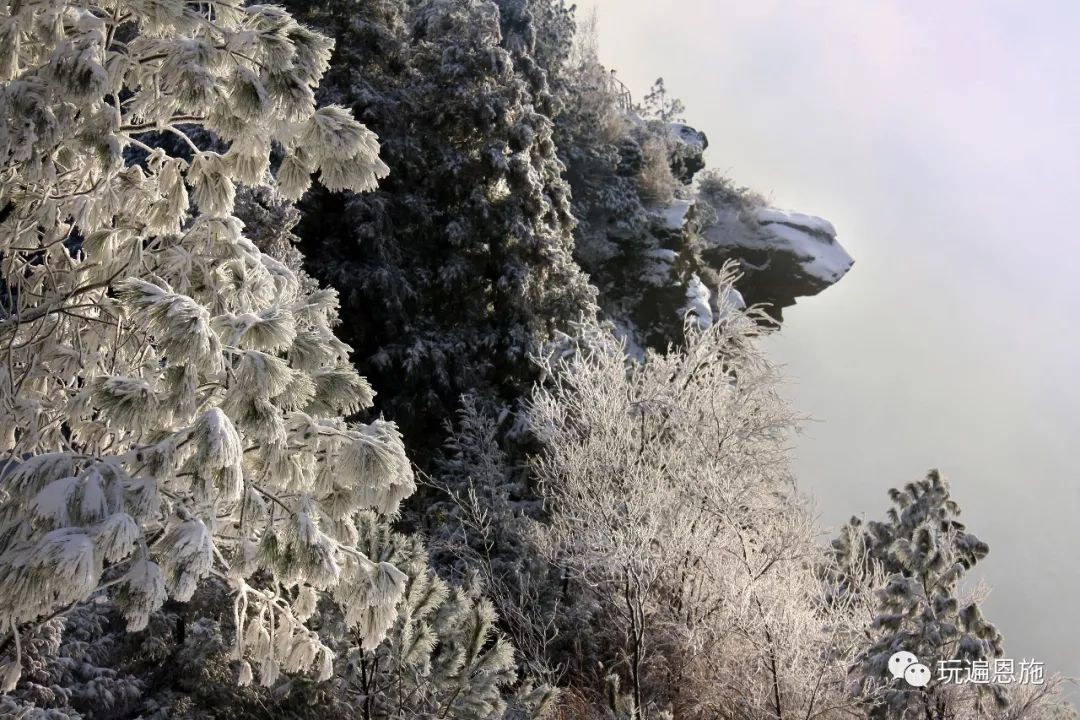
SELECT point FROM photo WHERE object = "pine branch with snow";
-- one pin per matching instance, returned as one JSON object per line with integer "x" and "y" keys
{"x": 171, "y": 398}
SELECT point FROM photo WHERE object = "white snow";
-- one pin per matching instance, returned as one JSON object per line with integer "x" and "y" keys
{"x": 219, "y": 440}
{"x": 673, "y": 215}
{"x": 94, "y": 506}
{"x": 664, "y": 255}
{"x": 118, "y": 536}
{"x": 807, "y": 222}
{"x": 52, "y": 501}
{"x": 823, "y": 258}
{"x": 657, "y": 269}
{"x": 687, "y": 134}
{"x": 68, "y": 555}
{"x": 810, "y": 240}
{"x": 625, "y": 331}
{"x": 697, "y": 303}
{"x": 733, "y": 299}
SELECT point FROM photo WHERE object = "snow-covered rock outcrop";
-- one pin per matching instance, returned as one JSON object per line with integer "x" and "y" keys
{"x": 656, "y": 263}
{"x": 783, "y": 255}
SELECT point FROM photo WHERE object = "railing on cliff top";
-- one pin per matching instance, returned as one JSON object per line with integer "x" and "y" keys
{"x": 621, "y": 92}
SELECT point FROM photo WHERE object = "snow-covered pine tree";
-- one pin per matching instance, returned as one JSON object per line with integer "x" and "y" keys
{"x": 539, "y": 34}
{"x": 170, "y": 396}
{"x": 83, "y": 666}
{"x": 482, "y": 528}
{"x": 468, "y": 243}
{"x": 64, "y": 669}
{"x": 443, "y": 657}
{"x": 924, "y": 553}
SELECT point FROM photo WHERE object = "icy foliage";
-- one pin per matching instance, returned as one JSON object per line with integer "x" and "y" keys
{"x": 197, "y": 487}
{"x": 444, "y": 656}
{"x": 170, "y": 396}
{"x": 484, "y": 531}
{"x": 670, "y": 506}
{"x": 697, "y": 306}
{"x": 917, "y": 560}
{"x": 467, "y": 246}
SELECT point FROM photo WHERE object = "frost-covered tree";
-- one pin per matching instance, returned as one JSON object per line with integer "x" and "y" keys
{"x": 444, "y": 657}
{"x": 602, "y": 159}
{"x": 482, "y": 529}
{"x": 660, "y": 105}
{"x": 171, "y": 398}
{"x": 539, "y": 34}
{"x": 671, "y": 509}
{"x": 924, "y": 552}
{"x": 910, "y": 571}
{"x": 638, "y": 228}
{"x": 467, "y": 245}
{"x": 84, "y": 665}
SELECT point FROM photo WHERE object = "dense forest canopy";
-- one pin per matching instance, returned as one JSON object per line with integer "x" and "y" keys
{"x": 385, "y": 359}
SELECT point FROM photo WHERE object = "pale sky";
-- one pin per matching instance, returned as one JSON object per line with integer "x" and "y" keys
{"x": 941, "y": 138}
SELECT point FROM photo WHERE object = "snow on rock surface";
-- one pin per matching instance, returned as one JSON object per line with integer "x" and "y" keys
{"x": 673, "y": 215}
{"x": 783, "y": 255}
{"x": 664, "y": 255}
{"x": 687, "y": 151}
{"x": 697, "y": 303}
{"x": 688, "y": 135}
{"x": 808, "y": 222}
{"x": 813, "y": 241}
{"x": 733, "y": 299}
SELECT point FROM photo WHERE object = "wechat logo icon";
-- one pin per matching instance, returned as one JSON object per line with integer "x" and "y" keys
{"x": 905, "y": 665}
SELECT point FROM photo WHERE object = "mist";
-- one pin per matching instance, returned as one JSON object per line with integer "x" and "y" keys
{"x": 941, "y": 140}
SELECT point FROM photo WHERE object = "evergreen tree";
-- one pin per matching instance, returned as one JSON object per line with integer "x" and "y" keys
{"x": 86, "y": 666}
{"x": 658, "y": 104}
{"x": 467, "y": 245}
{"x": 540, "y": 36}
{"x": 924, "y": 552}
{"x": 189, "y": 501}
{"x": 170, "y": 396}
{"x": 444, "y": 657}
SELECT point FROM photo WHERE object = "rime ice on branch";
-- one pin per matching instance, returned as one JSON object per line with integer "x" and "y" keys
{"x": 170, "y": 397}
